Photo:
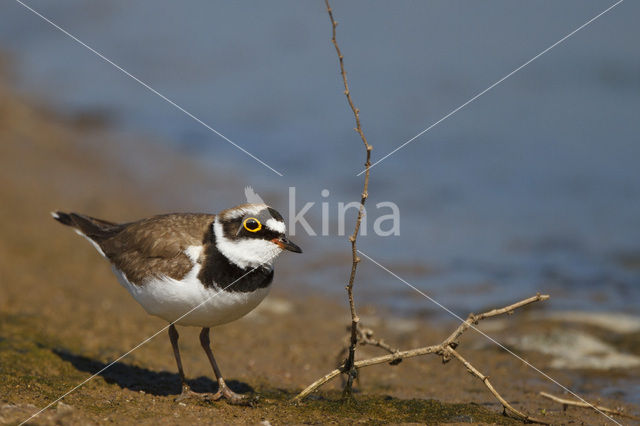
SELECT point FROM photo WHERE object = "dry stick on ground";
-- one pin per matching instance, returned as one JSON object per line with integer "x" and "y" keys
{"x": 365, "y": 337}
{"x": 355, "y": 320}
{"x": 567, "y": 402}
{"x": 447, "y": 350}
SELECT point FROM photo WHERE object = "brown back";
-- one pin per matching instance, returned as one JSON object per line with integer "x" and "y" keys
{"x": 155, "y": 246}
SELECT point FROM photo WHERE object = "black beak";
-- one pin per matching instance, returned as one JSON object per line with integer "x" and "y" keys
{"x": 285, "y": 244}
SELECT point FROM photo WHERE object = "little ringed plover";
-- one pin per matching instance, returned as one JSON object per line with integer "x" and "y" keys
{"x": 221, "y": 265}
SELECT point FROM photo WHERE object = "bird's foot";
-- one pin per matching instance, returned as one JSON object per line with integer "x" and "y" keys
{"x": 187, "y": 393}
{"x": 233, "y": 398}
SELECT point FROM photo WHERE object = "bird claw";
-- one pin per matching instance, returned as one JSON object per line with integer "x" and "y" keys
{"x": 224, "y": 392}
{"x": 233, "y": 398}
{"x": 187, "y": 393}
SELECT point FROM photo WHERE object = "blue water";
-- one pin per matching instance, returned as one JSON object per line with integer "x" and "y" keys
{"x": 533, "y": 187}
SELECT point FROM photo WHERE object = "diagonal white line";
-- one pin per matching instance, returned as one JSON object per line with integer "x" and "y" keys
{"x": 494, "y": 85}
{"x": 136, "y": 347}
{"x": 490, "y": 338}
{"x": 145, "y": 85}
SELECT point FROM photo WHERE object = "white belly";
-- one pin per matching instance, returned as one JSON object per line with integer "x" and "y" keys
{"x": 188, "y": 302}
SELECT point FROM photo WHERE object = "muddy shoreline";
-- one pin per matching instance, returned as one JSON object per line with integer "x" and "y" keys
{"x": 63, "y": 316}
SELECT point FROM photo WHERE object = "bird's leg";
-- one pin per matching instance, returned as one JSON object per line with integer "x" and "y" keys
{"x": 223, "y": 389}
{"x": 186, "y": 390}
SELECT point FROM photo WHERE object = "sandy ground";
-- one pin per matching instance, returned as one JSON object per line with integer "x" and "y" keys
{"x": 63, "y": 317}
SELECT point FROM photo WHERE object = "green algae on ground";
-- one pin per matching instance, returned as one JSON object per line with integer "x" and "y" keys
{"x": 32, "y": 371}
{"x": 29, "y": 370}
{"x": 384, "y": 409}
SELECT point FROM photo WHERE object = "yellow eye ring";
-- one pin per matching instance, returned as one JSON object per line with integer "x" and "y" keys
{"x": 252, "y": 221}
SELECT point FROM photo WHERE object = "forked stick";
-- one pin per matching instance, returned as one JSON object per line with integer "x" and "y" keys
{"x": 447, "y": 350}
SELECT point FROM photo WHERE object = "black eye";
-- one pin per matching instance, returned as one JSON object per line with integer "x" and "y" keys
{"x": 252, "y": 224}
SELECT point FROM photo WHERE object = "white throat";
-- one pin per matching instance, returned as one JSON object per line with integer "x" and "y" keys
{"x": 245, "y": 253}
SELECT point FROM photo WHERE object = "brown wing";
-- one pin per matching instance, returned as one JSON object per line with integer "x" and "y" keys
{"x": 155, "y": 246}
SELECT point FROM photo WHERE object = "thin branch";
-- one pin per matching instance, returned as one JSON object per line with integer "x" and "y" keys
{"x": 507, "y": 407}
{"x": 365, "y": 337}
{"x": 567, "y": 402}
{"x": 400, "y": 355}
{"x": 446, "y": 349}
{"x": 474, "y": 319}
{"x": 349, "y": 364}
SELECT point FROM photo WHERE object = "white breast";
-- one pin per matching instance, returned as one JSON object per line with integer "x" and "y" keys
{"x": 171, "y": 299}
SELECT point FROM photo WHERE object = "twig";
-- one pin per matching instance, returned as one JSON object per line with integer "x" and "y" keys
{"x": 449, "y": 341}
{"x": 349, "y": 364}
{"x": 447, "y": 350}
{"x": 507, "y": 407}
{"x": 366, "y": 363}
{"x": 474, "y": 319}
{"x": 365, "y": 337}
{"x": 567, "y": 402}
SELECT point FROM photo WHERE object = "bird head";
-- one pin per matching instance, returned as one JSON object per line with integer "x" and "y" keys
{"x": 250, "y": 235}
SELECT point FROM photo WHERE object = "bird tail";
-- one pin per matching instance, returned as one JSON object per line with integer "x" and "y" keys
{"x": 90, "y": 227}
